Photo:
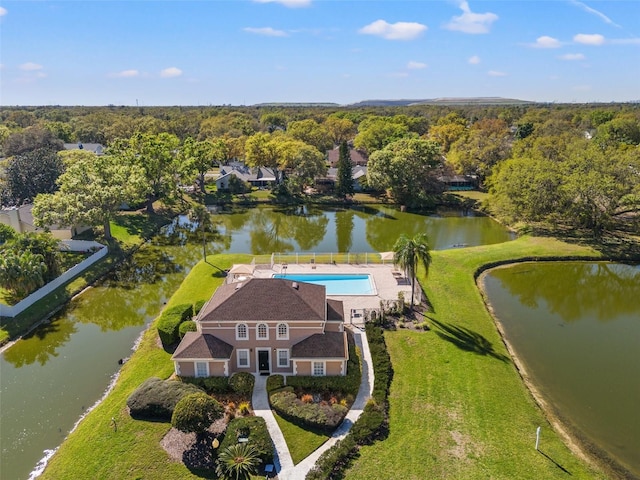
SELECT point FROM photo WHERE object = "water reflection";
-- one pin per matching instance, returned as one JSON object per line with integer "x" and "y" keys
{"x": 568, "y": 288}
{"x": 42, "y": 344}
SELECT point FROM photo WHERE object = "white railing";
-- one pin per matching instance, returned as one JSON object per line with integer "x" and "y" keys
{"x": 354, "y": 258}
{"x": 70, "y": 245}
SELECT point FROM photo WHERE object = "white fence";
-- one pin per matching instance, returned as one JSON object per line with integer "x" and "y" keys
{"x": 74, "y": 246}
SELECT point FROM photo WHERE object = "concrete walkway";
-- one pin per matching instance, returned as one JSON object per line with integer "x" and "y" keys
{"x": 283, "y": 462}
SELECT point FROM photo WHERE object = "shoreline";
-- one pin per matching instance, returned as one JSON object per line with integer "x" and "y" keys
{"x": 570, "y": 434}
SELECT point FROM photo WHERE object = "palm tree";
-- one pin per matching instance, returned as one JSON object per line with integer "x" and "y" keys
{"x": 201, "y": 216}
{"x": 238, "y": 462}
{"x": 408, "y": 253}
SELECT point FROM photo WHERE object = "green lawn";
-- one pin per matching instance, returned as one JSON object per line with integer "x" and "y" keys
{"x": 458, "y": 407}
{"x": 301, "y": 442}
{"x": 95, "y": 450}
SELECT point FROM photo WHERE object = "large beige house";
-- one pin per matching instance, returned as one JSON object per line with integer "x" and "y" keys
{"x": 266, "y": 326}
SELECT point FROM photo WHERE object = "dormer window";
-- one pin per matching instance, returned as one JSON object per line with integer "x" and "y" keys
{"x": 262, "y": 331}
{"x": 242, "y": 332}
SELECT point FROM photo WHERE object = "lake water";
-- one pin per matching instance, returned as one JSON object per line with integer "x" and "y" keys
{"x": 576, "y": 328}
{"x": 51, "y": 378}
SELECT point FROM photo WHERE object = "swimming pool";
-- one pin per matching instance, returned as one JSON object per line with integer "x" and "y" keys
{"x": 336, "y": 284}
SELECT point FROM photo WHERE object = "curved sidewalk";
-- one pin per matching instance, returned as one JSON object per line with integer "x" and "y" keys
{"x": 283, "y": 462}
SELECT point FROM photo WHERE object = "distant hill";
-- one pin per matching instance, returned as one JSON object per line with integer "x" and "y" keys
{"x": 296, "y": 104}
{"x": 442, "y": 101}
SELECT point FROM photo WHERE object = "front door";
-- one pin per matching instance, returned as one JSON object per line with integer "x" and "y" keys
{"x": 263, "y": 361}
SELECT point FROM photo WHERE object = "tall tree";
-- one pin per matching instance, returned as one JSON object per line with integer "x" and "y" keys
{"x": 29, "y": 139}
{"x": 375, "y": 133}
{"x": 406, "y": 169}
{"x": 91, "y": 192}
{"x": 340, "y": 129}
{"x": 198, "y": 157}
{"x": 409, "y": 253}
{"x": 344, "y": 180}
{"x": 31, "y": 173}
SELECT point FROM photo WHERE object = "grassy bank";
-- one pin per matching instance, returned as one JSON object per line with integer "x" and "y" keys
{"x": 458, "y": 407}
{"x": 96, "y": 449}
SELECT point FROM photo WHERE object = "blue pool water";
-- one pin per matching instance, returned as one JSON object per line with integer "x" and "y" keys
{"x": 336, "y": 284}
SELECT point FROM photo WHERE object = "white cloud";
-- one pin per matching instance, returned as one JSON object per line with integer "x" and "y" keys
{"x": 546, "y": 42}
{"x": 394, "y": 31}
{"x": 170, "y": 72}
{"x": 125, "y": 74}
{"x": 266, "y": 31}
{"x": 475, "y": 60}
{"x": 495, "y": 73}
{"x": 589, "y": 38}
{"x": 412, "y": 65}
{"x": 572, "y": 56}
{"x": 30, "y": 67}
{"x": 470, "y": 22}
{"x": 288, "y": 3}
{"x": 3, "y": 11}
{"x": 595, "y": 12}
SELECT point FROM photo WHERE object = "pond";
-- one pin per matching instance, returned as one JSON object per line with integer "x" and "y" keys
{"x": 576, "y": 329}
{"x": 52, "y": 377}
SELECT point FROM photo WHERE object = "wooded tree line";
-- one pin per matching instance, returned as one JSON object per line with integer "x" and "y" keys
{"x": 565, "y": 164}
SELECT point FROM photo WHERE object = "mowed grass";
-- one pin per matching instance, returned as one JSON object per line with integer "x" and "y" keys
{"x": 458, "y": 407}
{"x": 96, "y": 450}
{"x": 301, "y": 442}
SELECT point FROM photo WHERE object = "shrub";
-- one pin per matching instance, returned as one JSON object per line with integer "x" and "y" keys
{"x": 187, "y": 326}
{"x": 258, "y": 436}
{"x": 195, "y": 413}
{"x": 184, "y": 311}
{"x": 242, "y": 383}
{"x": 369, "y": 425}
{"x": 156, "y": 399}
{"x": 275, "y": 382}
{"x": 238, "y": 462}
{"x": 334, "y": 460}
{"x": 211, "y": 385}
{"x": 198, "y": 306}
{"x": 318, "y": 415}
{"x": 307, "y": 398}
{"x": 168, "y": 329}
{"x": 244, "y": 408}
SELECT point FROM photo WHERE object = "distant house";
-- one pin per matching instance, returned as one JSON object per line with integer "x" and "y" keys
{"x": 459, "y": 182}
{"x": 260, "y": 177}
{"x": 21, "y": 220}
{"x": 266, "y": 326}
{"x": 96, "y": 148}
{"x": 328, "y": 182}
{"x": 358, "y": 157}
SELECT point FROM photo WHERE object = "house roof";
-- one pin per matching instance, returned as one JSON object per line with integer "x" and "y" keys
{"x": 266, "y": 299}
{"x": 357, "y": 157}
{"x": 321, "y": 345}
{"x": 89, "y": 147}
{"x": 335, "y": 310}
{"x": 243, "y": 172}
{"x": 195, "y": 345}
{"x": 357, "y": 172}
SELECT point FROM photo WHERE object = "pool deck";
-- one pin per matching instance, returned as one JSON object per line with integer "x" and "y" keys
{"x": 386, "y": 278}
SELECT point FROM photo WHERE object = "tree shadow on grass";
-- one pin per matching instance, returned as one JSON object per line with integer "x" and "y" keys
{"x": 467, "y": 340}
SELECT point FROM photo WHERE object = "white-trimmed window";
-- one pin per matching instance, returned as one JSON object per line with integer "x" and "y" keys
{"x": 242, "y": 331}
{"x": 262, "y": 331}
{"x": 317, "y": 369}
{"x": 283, "y": 331}
{"x": 202, "y": 369}
{"x": 242, "y": 355}
{"x": 283, "y": 358}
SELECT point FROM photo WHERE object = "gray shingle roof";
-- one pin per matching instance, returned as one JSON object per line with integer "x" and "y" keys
{"x": 196, "y": 345}
{"x": 266, "y": 299}
{"x": 335, "y": 310}
{"x": 322, "y": 345}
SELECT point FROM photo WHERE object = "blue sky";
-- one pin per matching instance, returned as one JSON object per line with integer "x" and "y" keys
{"x": 245, "y": 52}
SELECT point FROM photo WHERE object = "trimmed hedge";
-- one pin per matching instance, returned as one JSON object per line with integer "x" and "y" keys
{"x": 345, "y": 385}
{"x": 169, "y": 323}
{"x": 210, "y": 385}
{"x": 196, "y": 412}
{"x": 317, "y": 415}
{"x": 156, "y": 399}
{"x": 275, "y": 382}
{"x": 372, "y": 424}
{"x": 258, "y": 436}
{"x": 187, "y": 326}
{"x": 198, "y": 306}
{"x": 242, "y": 383}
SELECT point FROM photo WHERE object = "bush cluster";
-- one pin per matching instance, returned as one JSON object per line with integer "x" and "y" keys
{"x": 242, "y": 383}
{"x": 275, "y": 382}
{"x": 196, "y": 412}
{"x": 373, "y": 422}
{"x": 187, "y": 326}
{"x": 211, "y": 385}
{"x": 318, "y": 415}
{"x": 258, "y": 436}
{"x": 156, "y": 399}
{"x": 198, "y": 306}
{"x": 169, "y": 323}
